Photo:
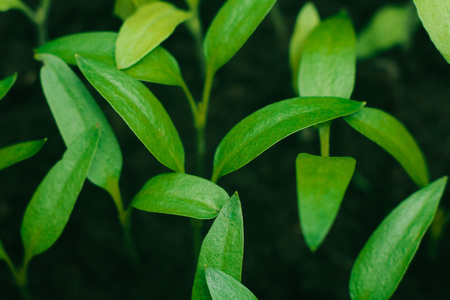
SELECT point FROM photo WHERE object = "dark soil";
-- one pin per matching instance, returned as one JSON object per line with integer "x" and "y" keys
{"x": 89, "y": 261}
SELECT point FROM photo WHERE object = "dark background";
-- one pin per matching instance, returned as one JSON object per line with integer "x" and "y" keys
{"x": 89, "y": 261}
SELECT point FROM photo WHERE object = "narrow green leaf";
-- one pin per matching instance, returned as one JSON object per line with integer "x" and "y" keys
{"x": 392, "y": 136}
{"x": 3, "y": 254}
{"x": 49, "y": 210}
{"x": 434, "y": 16}
{"x": 387, "y": 254}
{"x": 16, "y": 153}
{"x": 262, "y": 129}
{"x": 124, "y": 8}
{"x": 222, "y": 248}
{"x": 159, "y": 66}
{"x": 140, "y": 109}
{"x": 182, "y": 195}
{"x": 327, "y": 65}
{"x": 145, "y": 30}
{"x": 10, "y": 4}
{"x": 6, "y": 84}
{"x": 307, "y": 19}
{"x": 389, "y": 27}
{"x": 223, "y": 287}
{"x": 321, "y": 185}
{"x": 232, "y": 26}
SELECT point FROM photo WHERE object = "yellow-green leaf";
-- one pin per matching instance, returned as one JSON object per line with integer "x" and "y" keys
{"x": 6, "y": 84}
{"x": 10, "y": 4}
{"x": 16, "y": 153}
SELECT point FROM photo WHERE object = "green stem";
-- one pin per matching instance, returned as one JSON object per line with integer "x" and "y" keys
{"x": 279, "y": 23}
{"x": 195, "y": 27}
{"x": 191, "y": 101}
{"x": 39, "y": 19}
{"x": 20, "y": 277}
{"x": 324, "y": 135}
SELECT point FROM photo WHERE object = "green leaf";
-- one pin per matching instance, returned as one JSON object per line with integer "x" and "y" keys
{"x": 49, "y": 210}
{"x": 150, "y": 25}
{"x": 232, "y": 26}
{"x": 222, "y": 248}
{"x": 182, "y": 195}
{"x": 223, "y": 287}
{"x": 124, "y": 8}
{"x": 307, "y": 19}
{"x": 10, "y": 4}
{"x": 392, "y": 136}
{"x": 75, "y": 111}
{"x": 140, "y": 109}
{"x": 434, "y": 16}
{"x": 6, "y": 84}
{"x": 262, "y": 129}
{"x": 327, "y": 65}
{"x": 389, "y": 27}
{"x": 387, "y": 254}
{"x": 16, "y": 153}
{"x": 159, "y": 66}
{"x": 321, "y": 185}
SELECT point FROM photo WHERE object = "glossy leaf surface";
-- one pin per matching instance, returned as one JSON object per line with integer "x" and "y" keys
{"x": 387, "y": 254}
{"x": 124, "y": 8}
{"x": 434, "y": 16}
{"x": 262, "y": 129}
{"x": 140, "y": 109}
{"x": 6, "y": 84}
{"x": 145, "y": 30}
{"x": 10, "y": 4}
{"x": 389, "y": 27}
{"x": 49, "y": 210}
{"x": 182, "y": 195}
{"x": 232, "y": 26}
{"x": 223, "y": 287}
{"x": 321, "y": 185}
{"x": 328, "y": 62}
{"x": 75, "y": 111}
{"x": 392, "y": 136}
{"x": 307, "y": 19}
{"x": 159, "y": 66}
{"x": 16, "y": 153}
{"x": 222, "y": 248}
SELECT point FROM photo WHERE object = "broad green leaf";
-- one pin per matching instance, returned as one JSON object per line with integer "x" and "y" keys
{"x": 140, "y": 109}
{"x": 182, "y": 195}
{"x": 6, "y": 84}
{"x": 3, "y": 254}
{"x": 387, "y": 254}
{"x": 392, "y": 136}
{"x": 75, "y": 111}
{"x": 328, "y": 62}
{"x": 389, "y": 27}
{"x": 262, "y": 129}
{"x": 434, "y": 16}
{"x": 307, "y": 19}
{"x": 142, "y": 32}
{"x": 321, "y": 185}
{"x": 222, "y": 248}
{"x": 159, "y": 66}
{"x": 223, "y": 287}
{"x": 16, "y": 153}
{"x": 232, "y": 26}
{"x": 49, "y": 210}
{"x": 124, "y": 8}
{"x": 10, "y": 4}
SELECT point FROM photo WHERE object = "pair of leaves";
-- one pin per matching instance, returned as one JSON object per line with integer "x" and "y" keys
{"x": 387, "y": 254}
{"x": 159, "y": 66}
{"x": 222, "y": 248}
{"x": 51, "y": 205}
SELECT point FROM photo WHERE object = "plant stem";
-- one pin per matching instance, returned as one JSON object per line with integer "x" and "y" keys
{"x": 195, "y": 27}
{"x": 39, "y": 19}
{"x": 20, "y": 277}
{"x": 279, "y": 23}
{"x": 324, "y": 135}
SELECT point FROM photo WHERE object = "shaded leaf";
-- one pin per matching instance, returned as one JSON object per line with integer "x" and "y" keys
{"x": 49, "y": 210}
{"x": 321, "y": 185}
{"x": 232, "y": 26}
{"x": 75, "y": 111}
{"x": 16, "y": 153}
{"x": 124, "y": 8}
{"x": 434, "y": 16}
{"x": 182, "y": 195}
{"x": 223, "y": 287}
{"x": 328, "y": 62}
{"x": 10, "y": 4}
{"x": 307, "y": 19}
{"x": 262, "y": 129}
{"x": 140, "y": 109}
{"x": 3, "y": 254}
{"x": 222, "y": 248}
{"x": 392, "y": 136}
{"x": 145, "y": 30}
{"x": 387, "y": 254}
{"x": 6, "y": 84}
